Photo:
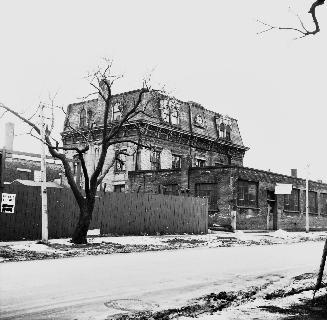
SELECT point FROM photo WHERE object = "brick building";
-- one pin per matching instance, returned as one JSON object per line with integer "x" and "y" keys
{"x": 18, "y": 165}
{"x": 178, "y": 131}
{"x": 195, "y": 152}
{"x": 27, "y": 166}
{"x": 248, "y": 191}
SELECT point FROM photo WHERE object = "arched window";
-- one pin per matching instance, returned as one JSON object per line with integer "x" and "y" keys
{"x": 82, "y": 119}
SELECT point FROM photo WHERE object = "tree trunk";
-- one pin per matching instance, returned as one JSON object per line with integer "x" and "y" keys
{"x": 84, "y": 220}
{"x": 321, "y": 269}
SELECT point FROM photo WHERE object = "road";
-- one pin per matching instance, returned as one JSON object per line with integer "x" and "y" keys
{"x": 78, "y": 288}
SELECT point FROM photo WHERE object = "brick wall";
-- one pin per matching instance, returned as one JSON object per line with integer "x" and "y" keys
{"x": 13, "y": 165}
{"x": 226, "y": 178}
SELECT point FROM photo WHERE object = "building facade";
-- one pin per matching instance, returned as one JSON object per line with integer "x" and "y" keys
{"x": 178, "y": 132}
{"x": 18, "y": 165}
{"x": 249, "y": 192}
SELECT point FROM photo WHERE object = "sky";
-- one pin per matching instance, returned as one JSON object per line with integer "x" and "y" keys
{"x": 205, "y": 51}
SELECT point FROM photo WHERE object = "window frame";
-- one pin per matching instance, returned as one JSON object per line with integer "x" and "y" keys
{"x": 209, "y": 191}
{"x": 243, "y": 189}
{"x": 116, "y": 112}
{"x": 200, "y": 163}
{"x": 292, "y": 201}
{"x": 155, "y": 160}
{"x": 174, "y": 162}
{"x": 119, "y": 166}
{"x": 170, "y": 113}
{"x": 121, "y": 187}
{"x": 82, "y": 118}
{"x": 323, "y": 202}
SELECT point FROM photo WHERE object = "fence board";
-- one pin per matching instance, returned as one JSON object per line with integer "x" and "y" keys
{"x": 114, "y": 213}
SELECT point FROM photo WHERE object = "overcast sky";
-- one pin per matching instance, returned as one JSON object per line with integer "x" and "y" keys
{"x": 204, "y": 51}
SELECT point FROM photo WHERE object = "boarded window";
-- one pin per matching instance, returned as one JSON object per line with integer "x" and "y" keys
{"x": 247, "y": 194}
{"x": 171, "y": 189}
{"x": 323, "y": 201}
{"x": 210, "y": 191}
{"x": 313, "y": 201}
{"x": 292, "y": 201}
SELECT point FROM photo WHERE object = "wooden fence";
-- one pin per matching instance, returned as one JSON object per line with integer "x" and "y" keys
{"x": 114, "y": 213}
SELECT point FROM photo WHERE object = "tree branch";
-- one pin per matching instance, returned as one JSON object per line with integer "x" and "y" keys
{"x": 304, "y": 32}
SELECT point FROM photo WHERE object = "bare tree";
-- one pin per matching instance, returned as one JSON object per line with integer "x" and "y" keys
{"x": 302, "y": 30}
{"x": 102, "y": 81}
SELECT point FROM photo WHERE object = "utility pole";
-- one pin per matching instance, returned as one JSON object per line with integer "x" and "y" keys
{"x": 307, "y": 201}
{"x": 43, "y": 181}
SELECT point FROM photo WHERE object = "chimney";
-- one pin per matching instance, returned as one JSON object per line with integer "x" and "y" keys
{"x": 9, "y": 136}
{"x": 294, "y": 173}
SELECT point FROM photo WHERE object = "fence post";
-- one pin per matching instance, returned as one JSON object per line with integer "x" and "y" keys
{"x": 233, "y": 218}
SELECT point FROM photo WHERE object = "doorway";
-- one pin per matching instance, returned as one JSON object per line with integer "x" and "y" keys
{"x": 272, "y": 207}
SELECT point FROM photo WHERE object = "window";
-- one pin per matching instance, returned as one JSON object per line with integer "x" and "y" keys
{"x": 82, "y": 119}
{"x": 222, "y": 130}
{"x": 119, "y": 188}
{"x": 171, "y": 189}
{"x": 313, "y": 203}
{"x": 292, "y": 201}
{"x": 200, "y": 163}
{"x": 155, "y": 160}
{"x": 89, "y": 117}
{"x": 247, "y": 194}
{"x": 116, "y": 112}
{"x": 323, "y": 201}
{"x": 176, "y": 162}
{"x": 169, "y": 111}
{"x": 210, "y": 191}
{"x": 120, "y": 163}
{"x": 228, "y": 130}
{"x": 224, "y": 127}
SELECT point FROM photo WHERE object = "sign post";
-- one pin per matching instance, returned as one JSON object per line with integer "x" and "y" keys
{"x": 307, "y": 228}
{"x": 43, "y": 182}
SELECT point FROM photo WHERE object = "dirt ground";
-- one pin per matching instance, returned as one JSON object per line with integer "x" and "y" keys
{"x": 97, "y": 245}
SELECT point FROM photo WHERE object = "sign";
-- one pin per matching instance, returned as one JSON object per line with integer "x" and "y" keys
{"x": 8, "y": 203}
{"x": 283, "y": 188}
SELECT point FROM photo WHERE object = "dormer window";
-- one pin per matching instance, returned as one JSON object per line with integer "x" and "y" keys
{"x": 82, "y": 119}
{"x": 224, "y": 128}
{"x": 169, "y": 112}
{"x": 116, "y": 112}
{"x": 228, "y": 130}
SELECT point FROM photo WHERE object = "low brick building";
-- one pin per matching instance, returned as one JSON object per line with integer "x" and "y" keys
{"x": 17, "y": 165}
{"x": 250, "y": 192}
